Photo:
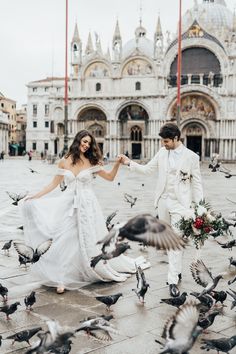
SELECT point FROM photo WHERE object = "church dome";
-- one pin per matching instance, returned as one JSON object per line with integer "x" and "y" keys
{"x": 212, "y": 15}
{"x": 140, "y": 43}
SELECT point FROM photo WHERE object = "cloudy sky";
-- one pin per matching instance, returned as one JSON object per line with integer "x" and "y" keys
{"x": 32, "y": 33}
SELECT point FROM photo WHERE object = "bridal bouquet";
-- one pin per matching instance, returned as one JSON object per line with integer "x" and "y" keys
{"x": 202, "y": 224}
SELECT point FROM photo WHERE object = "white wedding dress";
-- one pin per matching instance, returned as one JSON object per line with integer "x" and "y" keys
{"x": 75, "y": 222}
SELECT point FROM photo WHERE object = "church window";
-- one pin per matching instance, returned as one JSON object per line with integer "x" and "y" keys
{"x": 137, "y": 86}
{"x": 46, "y": 109}
{"x": 34, "y": 146}
{"x": 34, "y": 89}
{"x": 98, "y": 86}
{"x": 35, "y": 109}
{"x": 46, "y": 124}
{"x": 136, "y": 134}
{"x": 45, "y": 146}
{"x": 2, "y": 104}
{"x": 52, "y": 128}
{"x": 34, "y": 124}
{"x": 46, "y": 89}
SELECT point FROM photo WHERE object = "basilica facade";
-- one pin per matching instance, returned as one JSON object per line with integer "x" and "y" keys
{"x": 125, "y": 96}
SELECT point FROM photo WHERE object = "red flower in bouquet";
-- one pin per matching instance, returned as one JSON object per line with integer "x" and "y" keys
{"x": 207, "y": 229}
{"x": 198, "y": 223}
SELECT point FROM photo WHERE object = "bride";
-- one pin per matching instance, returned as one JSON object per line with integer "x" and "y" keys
{"x": 74, "y": 221}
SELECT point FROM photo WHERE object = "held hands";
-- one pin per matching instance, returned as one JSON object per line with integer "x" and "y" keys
{"x": 124, "y": 159}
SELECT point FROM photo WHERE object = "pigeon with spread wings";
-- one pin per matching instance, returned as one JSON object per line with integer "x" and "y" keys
{"x": 16, "y": 197}
{"x": 203, "y": 276}
{"x": 147, "y": 229}
{"x": 29, "y": 253}
{"x": 129, "y": 199}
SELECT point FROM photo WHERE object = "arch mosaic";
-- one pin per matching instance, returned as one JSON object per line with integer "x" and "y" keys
{"x": 137, "y": 67}
{"x": 133, "y": 111}
{"x": 97, "y": 70}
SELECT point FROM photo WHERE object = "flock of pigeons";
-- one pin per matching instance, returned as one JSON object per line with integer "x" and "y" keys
{"x": 193, "y": 316}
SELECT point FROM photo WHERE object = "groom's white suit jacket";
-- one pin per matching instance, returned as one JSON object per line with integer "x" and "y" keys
{"x": 187, "y": 191}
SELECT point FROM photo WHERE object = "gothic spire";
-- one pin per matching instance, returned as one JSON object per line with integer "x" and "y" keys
{"x": 89, "y": 46}
{"x": 76, "y": 37}
{"x": 158, "y": 33}
{"x": 117, "y": 35}
{"x": 234, "y": 22}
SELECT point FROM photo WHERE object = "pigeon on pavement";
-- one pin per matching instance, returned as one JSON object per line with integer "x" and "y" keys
{"x": 203, "y": 276}
{"x": 6, "y": 247}
{"x": 3, "y": 292}
{"x": 219, "y": 296}
{"x": 24, "y": 336}
{"x": 30, "y": 300}
{"x": 109, "y": 300}
{"x": 175, "y": 301}
{"x": 142, "y": 285}
{"x": 9, "y": 309}
{"x": 29, "y": 253}
{"x": 207, "y": 320}
{"x": 220, "y": 345}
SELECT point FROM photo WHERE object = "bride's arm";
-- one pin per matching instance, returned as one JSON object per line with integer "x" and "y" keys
{"x": 110, "y": 175}
{"x": 50, "y": 187}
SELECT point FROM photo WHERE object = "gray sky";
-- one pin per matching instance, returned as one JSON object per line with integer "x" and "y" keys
{"x": 32, "y": 33}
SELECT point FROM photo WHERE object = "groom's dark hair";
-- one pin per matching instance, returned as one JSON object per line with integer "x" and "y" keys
{"x": 170, "y": 131}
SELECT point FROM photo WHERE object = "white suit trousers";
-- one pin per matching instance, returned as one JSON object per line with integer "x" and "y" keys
{"x": 170, "y": 210}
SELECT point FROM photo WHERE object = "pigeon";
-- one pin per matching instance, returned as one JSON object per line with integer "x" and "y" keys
{"x": 203, "y": 276}
{"x": 207, "y": 320}
{"x": 175, "y": 301}
{"x": 63, "y": 349}
{"x": 24, "y": 336}
{"x": 228, "y": 245}
{"x": 232, "y": 262}
{"x": 99, "y": 328}
{"x": 9, "y": 309}
{"x": 63, "y": 186}
{"x": 232, "y": 281}
{"x": 119, "y": 249}
{"x": 146, "y": 229}
{"x": 219, "y": 296}
{"x": 109, "y": 300}
{"x": 220, "y": 345}
{"x": 181, "y": 330}
{"x": 33, "y": 171}
{"x": 3, "y": 292}
{"x": 233, "y": 295}
{"x": 109, "y": 219}
{"x": 20, "y": 228}
{"x": 16, "y": 197}
{"x": 23, "y": 260}
{"x": 142, "y": 285}
{"x": 29, "y": 253}
{"x": 130, "y": 199}
{"x": 30, "y": 300}
{"x": 6, "y": 247}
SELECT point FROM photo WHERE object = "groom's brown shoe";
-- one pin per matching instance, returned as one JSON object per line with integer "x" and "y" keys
{"x": 174, "y": 291}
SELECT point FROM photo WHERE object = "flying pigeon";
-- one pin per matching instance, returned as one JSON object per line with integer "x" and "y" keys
{"x": 109, "y": 300}
{"x": 24, "y": 336}
{"x": 16, "y": 197}
{"x": 228, "y": 245}
{"x": 30, "y": 300}
{"x": 146, "y": 229}
{"x": 129, "y": 199}
{"x": 9, "y": 309}
{"x": 6, "y": 247}
{"x": 119, "y": 249}
{"x": 203, "y": 276}
{"x": 181, "y": 330}
{"x": 175, "y": 301}
{"x": 3, "y": 292}
{"x": 219, "y": 296}
{"x": 109, "y": 219}
{"x": 206, "y": 300}
{"x": 220, "y": 345}
{"x": 142, "y": 285}
{"x": 63, "y": 186}
{"x": 99, "y": 328}
{"x": 29, "y": 253}
{"x": 33, "y": 171}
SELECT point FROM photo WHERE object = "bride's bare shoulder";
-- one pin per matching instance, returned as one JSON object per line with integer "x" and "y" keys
{"x": 63, "y": 163}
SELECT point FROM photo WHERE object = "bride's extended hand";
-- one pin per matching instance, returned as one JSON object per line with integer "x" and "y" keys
{"x": 29, "y": 197}
{"x": 119, "y": 159}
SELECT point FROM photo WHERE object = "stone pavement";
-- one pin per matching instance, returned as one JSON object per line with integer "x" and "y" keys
{"x": 138, "y": 325}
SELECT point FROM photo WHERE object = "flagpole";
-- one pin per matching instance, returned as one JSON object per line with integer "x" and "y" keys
{"x": 66, "y": 86}
{"x": 179, "y": 69}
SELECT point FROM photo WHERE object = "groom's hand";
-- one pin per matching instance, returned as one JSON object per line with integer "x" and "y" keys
{"x": 124, "y": 159}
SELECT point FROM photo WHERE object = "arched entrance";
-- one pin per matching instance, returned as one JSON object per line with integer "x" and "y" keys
{"x": 194, "y": 134}
{"x": 133, "y": 126}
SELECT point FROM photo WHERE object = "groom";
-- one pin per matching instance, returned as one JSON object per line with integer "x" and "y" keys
{"x": 178, "y": 184}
